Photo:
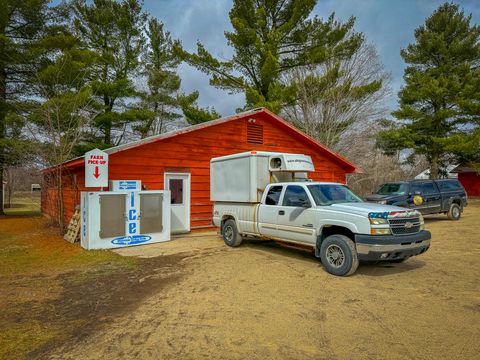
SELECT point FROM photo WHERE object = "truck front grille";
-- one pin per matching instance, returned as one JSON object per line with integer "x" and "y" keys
{"x": 404, "y": 226}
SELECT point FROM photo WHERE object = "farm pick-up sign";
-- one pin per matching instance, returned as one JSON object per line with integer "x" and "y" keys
{"x": 96, "y": 168}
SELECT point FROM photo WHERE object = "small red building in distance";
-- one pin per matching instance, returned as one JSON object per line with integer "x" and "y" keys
{"x": 180, "y": 161}
{"x": 469, "y": 178}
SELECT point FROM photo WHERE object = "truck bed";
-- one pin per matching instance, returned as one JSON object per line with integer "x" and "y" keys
{"x": 244, "y": 213}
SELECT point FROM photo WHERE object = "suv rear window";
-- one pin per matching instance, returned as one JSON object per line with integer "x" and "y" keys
{"x": 449, "y": 185}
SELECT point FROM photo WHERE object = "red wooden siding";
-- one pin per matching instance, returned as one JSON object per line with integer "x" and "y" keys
{"x": 471, "y": 182}
{"x": 191, "y": 152}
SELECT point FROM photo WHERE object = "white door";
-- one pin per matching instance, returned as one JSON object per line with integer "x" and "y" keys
{"x": 268, "y": 212}
{"x": 296, "y": 219}
{"x": 179, "y": 186}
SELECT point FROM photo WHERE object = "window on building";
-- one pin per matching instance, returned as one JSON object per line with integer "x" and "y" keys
{"x": 176, "y": 191}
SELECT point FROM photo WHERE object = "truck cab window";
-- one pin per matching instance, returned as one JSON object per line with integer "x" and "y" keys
{"x": 295, "y": 196}
{"x": 273, "y": 195}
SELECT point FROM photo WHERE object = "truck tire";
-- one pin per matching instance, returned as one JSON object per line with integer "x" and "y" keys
{"x": 230, "y": 233}
{"x": 454, "y": 212}
{"x": 338, "y": 255}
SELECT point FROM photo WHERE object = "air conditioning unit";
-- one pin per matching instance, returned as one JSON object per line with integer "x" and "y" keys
{"x": 291, "y": 162}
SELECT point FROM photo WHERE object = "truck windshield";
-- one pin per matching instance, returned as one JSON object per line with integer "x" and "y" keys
{"x": 393, "y": 189}
{"x": 328, "y": 194}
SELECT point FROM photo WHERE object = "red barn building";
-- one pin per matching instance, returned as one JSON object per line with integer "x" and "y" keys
{"x": 180, "y": 161}
{"x": 469, "y": 178}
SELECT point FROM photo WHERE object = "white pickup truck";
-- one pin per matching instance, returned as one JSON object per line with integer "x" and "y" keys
{"x": 329, "y": 218}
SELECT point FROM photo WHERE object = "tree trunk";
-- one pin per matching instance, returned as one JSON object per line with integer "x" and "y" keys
{"x": 434, "y": 167}
{"x": 3, "y": 114}
{"x": 2, "y": 159}
{"x": 108, "y": 132}
{"x": 60, "y": 207}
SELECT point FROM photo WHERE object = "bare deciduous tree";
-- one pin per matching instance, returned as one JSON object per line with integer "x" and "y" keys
{"x": 339, "y": 98}
{"x": 377, "y": 168}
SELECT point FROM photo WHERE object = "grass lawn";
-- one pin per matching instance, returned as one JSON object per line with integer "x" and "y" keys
{"x": 53, "y": 291}
{"x": 24, "y": 203}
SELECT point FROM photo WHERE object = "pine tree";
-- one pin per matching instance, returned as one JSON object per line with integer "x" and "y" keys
{"x": 23, "y": 46}
{"x": 61, "y": 114}
{"x": 270, "y": 38}
{"x": 193, "y": 113}
{"x": 115, "y": 32}
{"x": 439, "y": 113}
{"x": 163, "y": 103}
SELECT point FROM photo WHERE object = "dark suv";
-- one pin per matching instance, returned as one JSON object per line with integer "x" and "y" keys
{"x": 427, "y": 196}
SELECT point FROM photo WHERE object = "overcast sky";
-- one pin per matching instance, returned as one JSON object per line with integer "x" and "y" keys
{"x": 388, "y": 24}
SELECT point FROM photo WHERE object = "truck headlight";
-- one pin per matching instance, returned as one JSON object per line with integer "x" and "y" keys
{"x": 380, "y": 231}
{"x": 378, "y": 221}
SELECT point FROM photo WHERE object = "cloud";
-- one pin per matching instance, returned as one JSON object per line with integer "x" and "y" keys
{"x": 204, "y": 21}
{"x": 388, "y": 24}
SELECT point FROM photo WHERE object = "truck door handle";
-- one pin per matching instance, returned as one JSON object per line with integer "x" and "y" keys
{"x": 281, "y": 212}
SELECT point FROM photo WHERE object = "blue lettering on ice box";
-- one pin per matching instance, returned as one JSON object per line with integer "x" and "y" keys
{"x": 84, "y": 215}
{"x": 128, "y": 185}
{"x": 132, "y": 223}
{"x": 132, "y": 228}
{"x": 132, "y": 214}
{"x": 131, "y": 240}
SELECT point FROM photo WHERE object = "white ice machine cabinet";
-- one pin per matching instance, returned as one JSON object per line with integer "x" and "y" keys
{"x": 119, "y": 185}
{"x": 115, "y": 219}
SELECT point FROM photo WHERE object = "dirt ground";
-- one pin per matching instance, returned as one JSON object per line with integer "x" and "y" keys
{"x": 201, "y": 299}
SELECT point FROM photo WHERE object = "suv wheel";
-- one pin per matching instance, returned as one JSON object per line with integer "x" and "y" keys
{"x": 454, "y": 212}
{"x": 338, "y": 255}
{"x": 230, "y": 233}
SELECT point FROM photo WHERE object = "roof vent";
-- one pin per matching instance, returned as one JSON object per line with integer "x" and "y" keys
{"x": 254, "y": 133}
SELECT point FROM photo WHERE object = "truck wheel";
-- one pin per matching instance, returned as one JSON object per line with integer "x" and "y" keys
{"x": 338, "y": 255}
{"x": 230, "y": 234}
{"x": 454, "y": 212}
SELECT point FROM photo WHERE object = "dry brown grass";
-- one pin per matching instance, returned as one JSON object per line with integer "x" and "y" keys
{"x": 258, "y": 301}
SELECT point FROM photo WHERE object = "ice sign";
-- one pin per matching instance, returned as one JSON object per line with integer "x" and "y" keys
{"x": 118, "y": 185}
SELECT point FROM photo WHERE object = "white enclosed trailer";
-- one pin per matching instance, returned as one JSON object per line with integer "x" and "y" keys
{"x": 243, "y": 177}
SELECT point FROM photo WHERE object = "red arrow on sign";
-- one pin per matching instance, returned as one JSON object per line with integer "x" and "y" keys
{"x": 96, "y": 173}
